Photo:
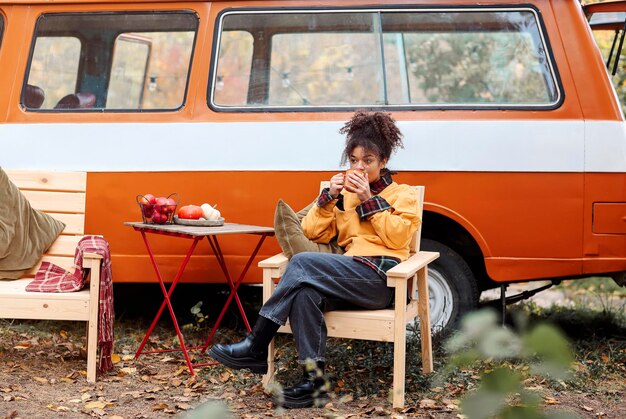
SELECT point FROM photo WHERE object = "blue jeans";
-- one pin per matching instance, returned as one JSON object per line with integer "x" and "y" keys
{"x": 317, "y": 282}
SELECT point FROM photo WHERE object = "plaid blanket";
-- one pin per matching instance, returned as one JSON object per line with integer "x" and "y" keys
{"x": 52, "y": 278}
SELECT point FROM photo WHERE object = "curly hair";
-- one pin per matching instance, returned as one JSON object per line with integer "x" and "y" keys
{"x": 374, "y": 131}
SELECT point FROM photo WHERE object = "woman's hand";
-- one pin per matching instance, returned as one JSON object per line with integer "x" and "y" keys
{"x": 359, "y": 184}
{"x": 336, "y": 184}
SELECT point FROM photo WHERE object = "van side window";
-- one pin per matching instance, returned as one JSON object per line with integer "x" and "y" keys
{"x": 415, "y": 58}
{"x": 111, "y": 61}
{"x": 1, "y": 27}
{"x": 54, "y": 68}
{"x": 231, "y": 85}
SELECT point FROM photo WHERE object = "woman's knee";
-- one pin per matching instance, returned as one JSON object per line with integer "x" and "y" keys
{"x": 303, "y": 258}
{"x": 307, "y": 295}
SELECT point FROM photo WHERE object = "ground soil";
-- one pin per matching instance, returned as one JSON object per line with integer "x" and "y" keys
{"x": 42, "y": 375}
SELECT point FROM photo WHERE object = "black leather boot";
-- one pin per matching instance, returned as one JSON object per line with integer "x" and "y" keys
{"x": 312, "y": 390}
{"x": 251, "y": 352}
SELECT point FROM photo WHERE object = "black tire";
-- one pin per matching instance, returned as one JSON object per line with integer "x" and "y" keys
{"x": 449, "y": 278}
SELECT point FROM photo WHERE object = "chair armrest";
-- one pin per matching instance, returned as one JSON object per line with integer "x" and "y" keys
{"x": 91, "y": 260}
{"x": 408, "y": 268}
{"x": 278, "y": 261}
{"x": 91, "y": 256}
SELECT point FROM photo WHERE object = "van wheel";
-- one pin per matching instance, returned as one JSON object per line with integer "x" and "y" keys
{"x": 452, "y": 287}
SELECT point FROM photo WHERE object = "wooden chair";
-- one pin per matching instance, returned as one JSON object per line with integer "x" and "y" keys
{"x": 388, "y": 325}
{"x": 62, "y": 195}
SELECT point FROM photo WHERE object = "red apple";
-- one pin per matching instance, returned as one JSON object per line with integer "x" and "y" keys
{"x": 171, "y": 205}
{"x": 160, "y": 205}
{"x": 158, "y": 217}
{"x": 147, "y": 210}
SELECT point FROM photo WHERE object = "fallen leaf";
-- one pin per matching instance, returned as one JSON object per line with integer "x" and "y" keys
{"x": 85, "y": 396}
{"x": 41, "y": 380}
{"x": 99, "y": 412}
{"x": 63, "y": 334}
{"x": 550, "y": 400}
{"x": 128, "y": 370}
{"x": 183, "y": 406}
{"x": 587, "y": 408}
{"x": 97, "y": 404}
{"x": 58, "y": 408}
{"x": 23, "y": 345}
{"x": 428, "y": 404}
{"x": 115, "y": 358}
{"x": 159, "y": 406}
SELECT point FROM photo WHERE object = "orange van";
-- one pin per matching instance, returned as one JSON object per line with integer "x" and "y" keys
{"x": 508, "y": 112}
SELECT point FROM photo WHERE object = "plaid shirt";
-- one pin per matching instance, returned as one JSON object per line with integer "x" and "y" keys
{"x": 380, "y": 264}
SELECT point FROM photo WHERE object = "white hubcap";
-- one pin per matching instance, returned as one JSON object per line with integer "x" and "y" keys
{"x": 440, "y": 300}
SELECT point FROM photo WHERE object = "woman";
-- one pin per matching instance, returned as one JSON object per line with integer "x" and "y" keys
{"x": 374, "y": 219}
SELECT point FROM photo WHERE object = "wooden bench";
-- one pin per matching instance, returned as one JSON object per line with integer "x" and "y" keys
{"x": 62, "y": 195}
{"x": 387, "y": 325}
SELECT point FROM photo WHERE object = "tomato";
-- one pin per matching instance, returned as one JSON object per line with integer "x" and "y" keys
{"x": 190, "y": 212}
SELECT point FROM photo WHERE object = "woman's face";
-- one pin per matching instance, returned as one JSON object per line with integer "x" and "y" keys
{"x": 367, "y": 160}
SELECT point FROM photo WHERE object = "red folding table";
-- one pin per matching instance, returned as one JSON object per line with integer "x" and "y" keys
{"x": 196, "y": 234}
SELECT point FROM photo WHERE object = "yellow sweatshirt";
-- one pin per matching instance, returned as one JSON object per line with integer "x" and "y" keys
{"x": 384, "y": 233}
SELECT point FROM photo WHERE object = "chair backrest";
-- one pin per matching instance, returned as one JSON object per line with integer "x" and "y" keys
{"x": 61, "y": 195}
{"x": 415, "y": 242}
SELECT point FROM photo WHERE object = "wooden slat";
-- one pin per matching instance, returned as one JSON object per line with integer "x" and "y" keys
{"x": 17, "y": 289}
{"x": 278, "y": 261}
{"x": 64, "y": 246}
{"x": 49, "y": 181}
{"x": 74, "y": 223}
{"x": 65, "y": 262}
{"x": 409, "y": 267}
{"x": 70, "y": 202}
{"x": 17, "y": 303}
{"x": 362, "y": 324}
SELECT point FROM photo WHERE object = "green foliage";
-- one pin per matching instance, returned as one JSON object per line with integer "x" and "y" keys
{"x": 500, "y": 392}
{"x": 200, "y": 320}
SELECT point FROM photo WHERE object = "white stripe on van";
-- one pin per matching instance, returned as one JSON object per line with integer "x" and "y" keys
{"x": 499, "y": 146}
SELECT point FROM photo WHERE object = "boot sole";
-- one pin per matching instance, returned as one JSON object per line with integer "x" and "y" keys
{"x": 294, "y": 403}
{"x": 254, "y": 365}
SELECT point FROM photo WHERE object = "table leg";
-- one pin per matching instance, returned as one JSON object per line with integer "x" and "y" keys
{"x": 233, "y": 285}
{"x": 166, "y": 301}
